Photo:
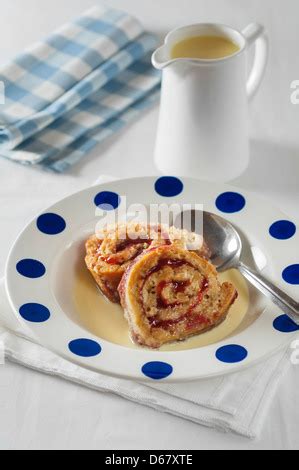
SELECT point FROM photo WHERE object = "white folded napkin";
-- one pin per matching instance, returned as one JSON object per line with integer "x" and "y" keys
{"x": 236, "y": 402}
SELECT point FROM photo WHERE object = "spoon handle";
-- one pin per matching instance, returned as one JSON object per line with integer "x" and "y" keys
{"x": 288, "y": 305}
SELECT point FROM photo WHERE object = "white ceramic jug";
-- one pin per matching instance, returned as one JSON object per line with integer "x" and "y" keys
{"x": 203, "y": 122}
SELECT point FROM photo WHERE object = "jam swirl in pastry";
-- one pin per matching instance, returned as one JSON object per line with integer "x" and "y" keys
{"x": 109, "y": 253}
{"x": 169, "y": 294}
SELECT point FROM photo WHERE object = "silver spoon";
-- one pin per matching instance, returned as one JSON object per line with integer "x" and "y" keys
{"x": 225, "y": 245}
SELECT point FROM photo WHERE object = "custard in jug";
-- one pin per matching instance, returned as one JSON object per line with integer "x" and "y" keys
{"x": 204, "y": 47}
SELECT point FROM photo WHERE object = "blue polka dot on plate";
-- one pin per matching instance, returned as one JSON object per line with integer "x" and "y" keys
{"x": 107, "y": 200}
{"x": 51, "y": 224}
{"x": 31, "y": 268}
{"x": 36, "y": 313}
{"x": 284, "y": 324}
{"x": 157, "y": 370}
{"x": 230, "y": 202}
{"x": 231, "y": 353}
{"x": 84, "y": 347}
{"x": 282, "y": 229}
{"x": 291, "y": 274}
{"x": 169, "y": 186}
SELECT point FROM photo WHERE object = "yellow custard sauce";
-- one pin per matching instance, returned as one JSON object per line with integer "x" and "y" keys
{"x": 106, "y": 320}
{"x": 204, "y": 47}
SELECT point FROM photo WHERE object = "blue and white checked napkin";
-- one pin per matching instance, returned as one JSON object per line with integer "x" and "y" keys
{"x": 78, "y": 86}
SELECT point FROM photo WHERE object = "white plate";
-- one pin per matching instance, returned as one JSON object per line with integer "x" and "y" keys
{"x": 39, "y": 278}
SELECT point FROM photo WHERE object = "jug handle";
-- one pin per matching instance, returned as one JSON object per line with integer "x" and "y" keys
{"x": 255, "y": 33}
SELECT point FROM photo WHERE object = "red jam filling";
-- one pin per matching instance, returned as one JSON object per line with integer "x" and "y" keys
{"x": 131, "y": 242}
{"x": 162, "y": 263}
{"x": 200, "y": 294}
{"x": 114, "y": 259}
{"x": 195, "y": 321}
{"x": 192, "y": 321}
{"x": 176, "y": 286}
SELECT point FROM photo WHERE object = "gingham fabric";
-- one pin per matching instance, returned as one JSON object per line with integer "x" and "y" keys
{"x": 77, "y": 87}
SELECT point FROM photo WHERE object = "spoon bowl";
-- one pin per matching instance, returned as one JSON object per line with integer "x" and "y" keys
{"x": 225, "y": 246}
{"x": 222, "y": 238}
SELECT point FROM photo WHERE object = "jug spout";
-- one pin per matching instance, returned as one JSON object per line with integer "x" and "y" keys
{"x": 161, "y": 57}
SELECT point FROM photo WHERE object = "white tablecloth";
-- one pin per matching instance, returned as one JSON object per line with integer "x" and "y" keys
{"x": 38, "y": 411}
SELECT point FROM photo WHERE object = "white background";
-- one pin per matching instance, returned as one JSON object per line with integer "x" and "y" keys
{"x": 38, "y": 411}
